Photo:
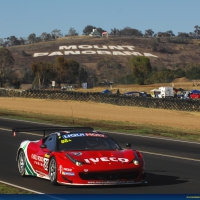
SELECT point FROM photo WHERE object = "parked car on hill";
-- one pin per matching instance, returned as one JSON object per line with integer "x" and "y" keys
{"x": 195, "y": 94}
{"x": 106, "y": 91}
{"x": 135, "y": 93}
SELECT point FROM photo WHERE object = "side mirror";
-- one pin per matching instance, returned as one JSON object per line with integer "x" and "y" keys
{"x": 128, "y": 145}
{"x": 43, "y": 146}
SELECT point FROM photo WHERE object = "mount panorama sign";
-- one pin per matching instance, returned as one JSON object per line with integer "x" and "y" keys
{"x": 118, "y": 50}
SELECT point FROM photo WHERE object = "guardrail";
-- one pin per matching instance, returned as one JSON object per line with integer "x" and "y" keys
{"x": 147, "y": 102}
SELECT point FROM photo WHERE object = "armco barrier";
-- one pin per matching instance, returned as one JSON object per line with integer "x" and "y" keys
{"x": 171, "y": 103}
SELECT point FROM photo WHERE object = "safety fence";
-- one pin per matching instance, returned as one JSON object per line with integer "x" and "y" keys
{"x": 119, "y": 100}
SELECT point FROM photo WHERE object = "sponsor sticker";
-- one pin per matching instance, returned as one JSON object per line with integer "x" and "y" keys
{"x": 106, "y": 159}
{"x": 65, "y": 141}
{"x": 95, "y": 135}
{"x": 67, "y": 169}
{"x": 110, "y": 182}
{"x": 47, "y": 155}
{"x": 73, "y": 135}
{"x": 36, "y": 157}
{"x": 46, "y": 162}
{"x": 68, "y": 173}
{"x": 60, "y": 168}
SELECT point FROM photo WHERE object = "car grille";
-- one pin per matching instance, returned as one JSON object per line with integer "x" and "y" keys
{"x": 108, "y": 175}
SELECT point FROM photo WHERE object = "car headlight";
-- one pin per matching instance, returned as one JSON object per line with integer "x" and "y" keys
{"x": 136, "y": 162}
{"x": 76, "y": 162}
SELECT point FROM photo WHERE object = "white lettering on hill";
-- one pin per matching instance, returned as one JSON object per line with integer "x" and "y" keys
{"x": 117, "y": 50}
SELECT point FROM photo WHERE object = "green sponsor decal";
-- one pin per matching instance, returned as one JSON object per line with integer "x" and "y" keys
{"x": 24, "y": 147}
{"x": 29, "y": 169}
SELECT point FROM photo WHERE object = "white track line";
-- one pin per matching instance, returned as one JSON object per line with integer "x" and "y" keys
{"x": 33, "y": 191}
{"x": 22, "y": 188}
{"x": 133, "y": 135}
{"x": 27, "y": 133}
{"x": 170, "y": 156}
{"x": 157, "y": 138}
{"x": 157, "y": 154}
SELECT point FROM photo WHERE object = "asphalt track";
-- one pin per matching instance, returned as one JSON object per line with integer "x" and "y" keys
{"x": 172, "y": 166}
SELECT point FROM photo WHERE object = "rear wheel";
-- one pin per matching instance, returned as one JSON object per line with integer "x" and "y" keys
{"x": 21, "y": 161}
{"x": 53, "y": 171}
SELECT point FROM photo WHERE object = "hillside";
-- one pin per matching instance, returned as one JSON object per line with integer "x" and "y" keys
{"x": 88, "y": 51}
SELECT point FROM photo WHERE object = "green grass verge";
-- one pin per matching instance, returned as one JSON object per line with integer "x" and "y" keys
{"x": 6, "y": 189}
{"x": 115, "y": 126}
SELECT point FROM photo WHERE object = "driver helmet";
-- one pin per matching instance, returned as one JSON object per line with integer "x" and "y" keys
{"x": 92, "y": 141}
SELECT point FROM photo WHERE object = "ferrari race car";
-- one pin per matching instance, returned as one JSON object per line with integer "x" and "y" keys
{"x": 79, "y": 156}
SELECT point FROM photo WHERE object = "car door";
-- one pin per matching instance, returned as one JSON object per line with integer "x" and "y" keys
{"x": 43, "y": 154}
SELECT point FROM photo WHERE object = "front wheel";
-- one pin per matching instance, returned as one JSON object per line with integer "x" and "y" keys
{"x": 53, "y": 171}
{"x": 21, "y": 161}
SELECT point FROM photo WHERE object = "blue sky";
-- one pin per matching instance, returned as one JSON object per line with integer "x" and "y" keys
{"x": 20, "y": 18}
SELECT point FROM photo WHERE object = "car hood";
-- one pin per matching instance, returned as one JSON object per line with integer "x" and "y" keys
{"x": 99, "y": 157}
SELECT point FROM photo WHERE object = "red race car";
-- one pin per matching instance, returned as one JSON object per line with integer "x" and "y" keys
{"x": 79, "y": 156}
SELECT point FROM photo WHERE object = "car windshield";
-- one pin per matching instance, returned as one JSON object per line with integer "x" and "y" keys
{"x": 87, "y": 143}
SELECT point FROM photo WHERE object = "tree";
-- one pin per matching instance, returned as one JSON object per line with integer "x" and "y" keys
{"x": 43, "y": 36}
{"x": 37, "y": 71}
{"x": 27, "y": 76}
{"x": 1, "y": 42}
{"x": 68, "y": 70}
{"x": 88, "y": 29}
{"x": 6, "y": 61}
{"x": 31, "y": 38}
{"x": 12, "y": 41}
{"x": 23, "y": 41}
{"x": 197, "y": 30}
{"x": 82, "y": 76}
{"x": 59, "y": 67}
{"x": 193, "y": 72}
{"x": 141, "y": 68}
{"x": 130, "y": 32}
{"x": 15, "y": 80}
{"x": 56, "y": 33}
{"x": 114, "y": 31}
{"x": 169, "y": 33}
{"x": 183, "y": 35}
{"x": 72, "y": 32}
{"x": 49, "y": 73}
{"x": 149, "y": 33}
{"x": 163, "y": 76}
{"x": 44, "y": 73}
{"x": 72, "y": 71}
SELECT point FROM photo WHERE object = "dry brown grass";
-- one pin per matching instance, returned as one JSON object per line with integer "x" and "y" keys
{"x": 98, "y": 111}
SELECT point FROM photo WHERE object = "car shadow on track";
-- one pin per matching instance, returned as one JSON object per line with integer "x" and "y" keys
{"x": 153, "y": 179}
{"x": 160, "y": 179}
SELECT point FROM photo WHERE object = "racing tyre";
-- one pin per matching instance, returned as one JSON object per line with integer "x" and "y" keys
{"x": 21, "y": 162}
{"x": 53, "y": 171}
